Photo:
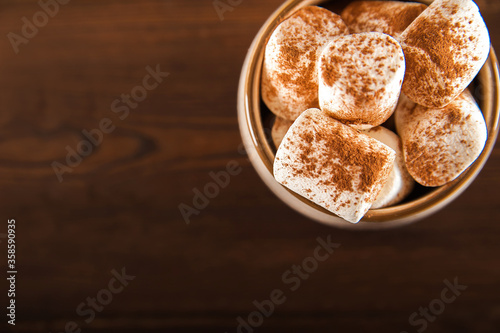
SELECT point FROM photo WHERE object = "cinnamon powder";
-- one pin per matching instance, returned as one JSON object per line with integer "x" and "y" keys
{"x": 343, "y": 158}
{"x": 431, "y": 158}
{"x": 390, "y": 17}
{"x": 346, "y": 61}
{"x": 293, "y": 73}
{"x": 304, "y": 84}
{"x": 441, "y": 54}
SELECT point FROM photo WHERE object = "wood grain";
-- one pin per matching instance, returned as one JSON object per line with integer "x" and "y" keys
{"x": 119, "y": 206}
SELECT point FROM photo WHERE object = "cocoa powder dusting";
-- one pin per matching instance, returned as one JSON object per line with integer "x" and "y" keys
{"x": 438, "y": 38}
{"x": 339, "y": 176}
{"x": 424, "y": 163}
{"x": 331, "y": 66}
{"x": 427, "y": 158}
{"x": 314, "y": 17}
{"x": 438, "y": 56}
{"x": 390, "y": 17}
{"x": 347, "y": 59}
{"x": 269, "y": 90}
{"x": 453, "y": 118}
{"x": 343, "y": 158}
{"x": 298, "y": 52}
{"x": 305, "y": 84}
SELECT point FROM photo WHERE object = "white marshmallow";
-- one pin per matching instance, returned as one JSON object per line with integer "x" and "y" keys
{"x": 440, "y": 143}
{"x": 289, "y": 77}
{"x": 403, "y": 112}
{"x": 445, "y": 47}
{"x": 332, "y": 164}
{"x": 400, "y": 183}
{"x": 360, "y": 78}
{"x": 389, "y": 17}
{"x": 280, "y": 127}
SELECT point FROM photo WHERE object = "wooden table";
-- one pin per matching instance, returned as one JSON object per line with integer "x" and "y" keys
{"x": 117, "y": 208}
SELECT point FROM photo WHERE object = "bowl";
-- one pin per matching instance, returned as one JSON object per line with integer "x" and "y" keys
{"x": 253, "y": 118}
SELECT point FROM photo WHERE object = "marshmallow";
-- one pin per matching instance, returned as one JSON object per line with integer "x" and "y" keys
{"x": 289, "y": 75}
{"x": 440, "y": 143}
{"x": 332, "y": 164}
{"x": 280, "y": 127}
{"x": 445, "y": 47}
{"x": 403, "y": 112}
{"x": 360, "y": 78}
{"x": 389, "y": 17}
{"x": 400, "y": 183}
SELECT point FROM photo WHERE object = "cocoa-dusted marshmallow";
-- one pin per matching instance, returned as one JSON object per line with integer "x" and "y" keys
{"x": 400, "y": 183}
{"x": 441, "y": 143}
{"x": 280, "y": 127}
{"x": 403, "y": 112}
{"x": 360, "y": 78}
{"x": 445, "y": 47}
{"x": 389, "y": 17}
{"x": 332, "y": 164}
{"x": 289, "y": 77}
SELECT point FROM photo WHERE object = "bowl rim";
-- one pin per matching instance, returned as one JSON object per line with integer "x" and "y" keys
{"x": 259, "y": 150}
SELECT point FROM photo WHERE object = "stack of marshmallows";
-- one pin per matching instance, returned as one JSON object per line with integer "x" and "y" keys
{"x": 333, "y": 80}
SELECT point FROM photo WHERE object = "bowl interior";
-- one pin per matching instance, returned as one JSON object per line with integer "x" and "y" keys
{"x": 255, "y": 122}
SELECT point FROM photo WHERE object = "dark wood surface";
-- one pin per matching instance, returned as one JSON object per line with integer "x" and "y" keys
{"x": 119, "y": 207}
